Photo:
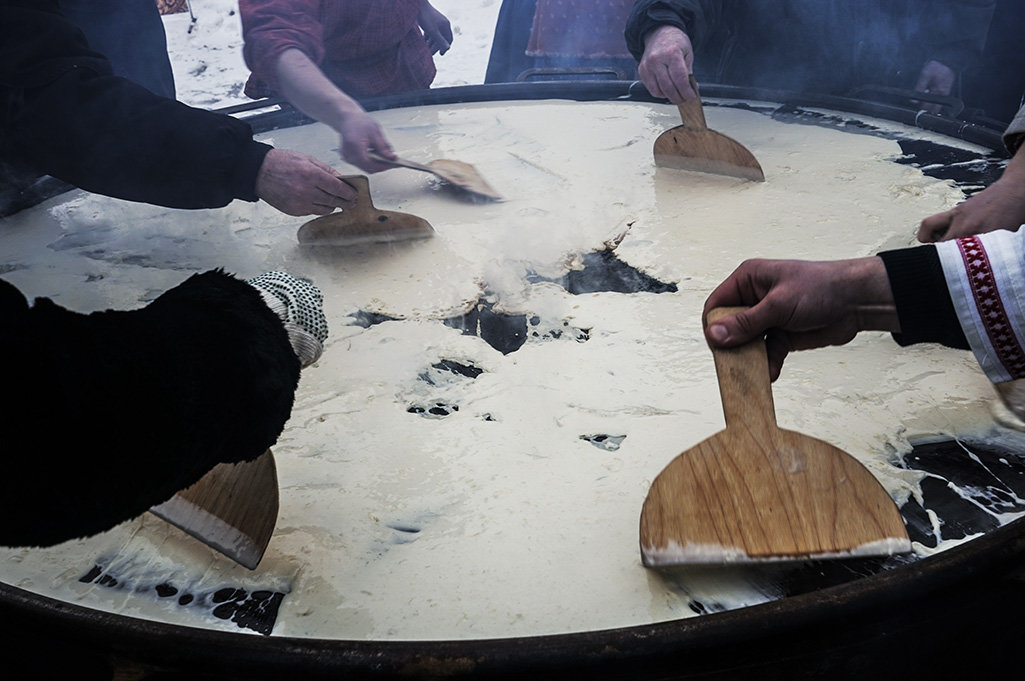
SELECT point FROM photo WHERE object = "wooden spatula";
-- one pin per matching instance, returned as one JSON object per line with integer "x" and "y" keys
{"x": 692, "y": 146}
{"x": 232, "y": 509}
{"x": 362, "y": 223}
{"x": 457, "y": 173}
{"x": 755, "y": 492}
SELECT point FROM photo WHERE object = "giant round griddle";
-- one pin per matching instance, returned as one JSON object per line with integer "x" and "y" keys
{"x": 841, "y": 619}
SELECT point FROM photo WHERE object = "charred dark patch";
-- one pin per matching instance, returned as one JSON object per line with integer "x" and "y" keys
{"x": 788, "y": 113}
{"x": 505, "y": 333}
{"x": 969, "y": 485}
{"x": 257, "y": 610}
{"x": 438, "y": 410}
{"x": 702, "y": 608}
{"x": 604, "y": 272}
{"x": 443, "y": 373}
{"x": 565, "y": 330}
{"x": 366, "y": 319}
{"x": 970, "y": 171}
{"x": 609, "y": 443}
{"x": 166, "y": 590}
{"x": 965, "y": 168}
{"x": 450, "y": 366}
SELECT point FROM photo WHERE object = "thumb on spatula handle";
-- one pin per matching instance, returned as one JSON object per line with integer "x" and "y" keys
{"x": 744, "y": 385}
{"x": 361, "y": 183}
{"x": 691, "y": 112}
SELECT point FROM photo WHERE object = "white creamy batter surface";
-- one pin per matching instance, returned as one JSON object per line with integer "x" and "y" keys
{"x": 513, "y": 508}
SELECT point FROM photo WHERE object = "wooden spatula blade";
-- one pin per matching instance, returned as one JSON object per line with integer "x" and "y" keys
{"x": 755, "y": 492}
{"x": 465, "y": 177}
{"x": 363, "y": 223}
{"x": 456, "y": 173}
{"x": 734, "y": 499}
{"x": 706, "y": 151}
{"x": 232, "y": 509}
{"x": 692, "y": 146}
{"x": 342, "y": 229}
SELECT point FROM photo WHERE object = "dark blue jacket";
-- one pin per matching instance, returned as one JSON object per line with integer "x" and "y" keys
{"x": 64, "y": 113}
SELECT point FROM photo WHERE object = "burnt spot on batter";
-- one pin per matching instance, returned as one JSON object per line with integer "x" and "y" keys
{"x": 609, "y": 443}
{"x": 256, "y": 610}
{"x": 366, "y": 319}
{"x": 438, "y": 410}
{"x": 603, "y": 271}
{"x": 448, "y": 368}
{"x": 504, "y": 332}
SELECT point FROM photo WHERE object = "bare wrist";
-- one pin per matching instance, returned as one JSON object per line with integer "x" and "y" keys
{"x": 342, "y": 111}
{"x": 666, "y": 31}
{"x": 871, "y": 295}
{"x": 1014, "y": 173}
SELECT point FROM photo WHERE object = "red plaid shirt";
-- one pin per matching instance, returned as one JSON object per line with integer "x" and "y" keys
{"x": 366, "y": 47}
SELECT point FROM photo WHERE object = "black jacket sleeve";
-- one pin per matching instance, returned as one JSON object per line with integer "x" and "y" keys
{"x": 64, "y": 113}
{"x": 924, "y": 307}
{"x": 693, "y": 17}
{"x": 113, "y": 412}
{"x": 954, "y": 31}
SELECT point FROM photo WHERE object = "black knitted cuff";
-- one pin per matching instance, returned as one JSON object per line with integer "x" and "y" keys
{"x": 247, "y": 170}
{"x": 924, "y": 307}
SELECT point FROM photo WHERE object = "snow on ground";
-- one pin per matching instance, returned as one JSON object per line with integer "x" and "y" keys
{"x": 206, "y": 49}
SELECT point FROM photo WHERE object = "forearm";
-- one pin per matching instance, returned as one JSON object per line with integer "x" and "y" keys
{"x": 303, "y": 84}
{"x": 88, "y": 130}
{"x": 64, "y": 113}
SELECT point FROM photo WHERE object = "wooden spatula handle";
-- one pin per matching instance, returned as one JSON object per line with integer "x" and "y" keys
{"x": 402, "y": 162}
{"x": 361, "y": 183}
{"x": 691, "y": 113}
{"x": 744, "y": 385}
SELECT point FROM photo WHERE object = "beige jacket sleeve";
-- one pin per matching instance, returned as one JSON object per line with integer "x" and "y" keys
{"x": 1015, "y": 133}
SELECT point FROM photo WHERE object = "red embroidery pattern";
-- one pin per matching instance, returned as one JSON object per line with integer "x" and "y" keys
{"x": 991, "y": 309}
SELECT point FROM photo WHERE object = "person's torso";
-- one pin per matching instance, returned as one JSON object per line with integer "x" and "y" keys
{"x": 808, "y": 45}
{"x": 374, "y": 47}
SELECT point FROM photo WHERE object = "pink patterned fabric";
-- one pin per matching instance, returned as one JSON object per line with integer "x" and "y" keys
{"x": 579, "y": 28}
{"x": 995, "y": 319}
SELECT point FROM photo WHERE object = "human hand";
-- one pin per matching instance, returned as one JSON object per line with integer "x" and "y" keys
{"x": 667, "y": 63}
{"x": 1000, "y": 206}
{"x": 799, "y": 305}
{"x": 937, "y": 79}
{"x": 300, "y": 305}
{"x": 361, "y": 139}
{"x": 436, "y": 27}
{"x": 1012, "y": 398}
{"x": 297, "y": 184}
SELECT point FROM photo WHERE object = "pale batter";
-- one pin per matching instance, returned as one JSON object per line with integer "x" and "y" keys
{"x": 419, "y": 502}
